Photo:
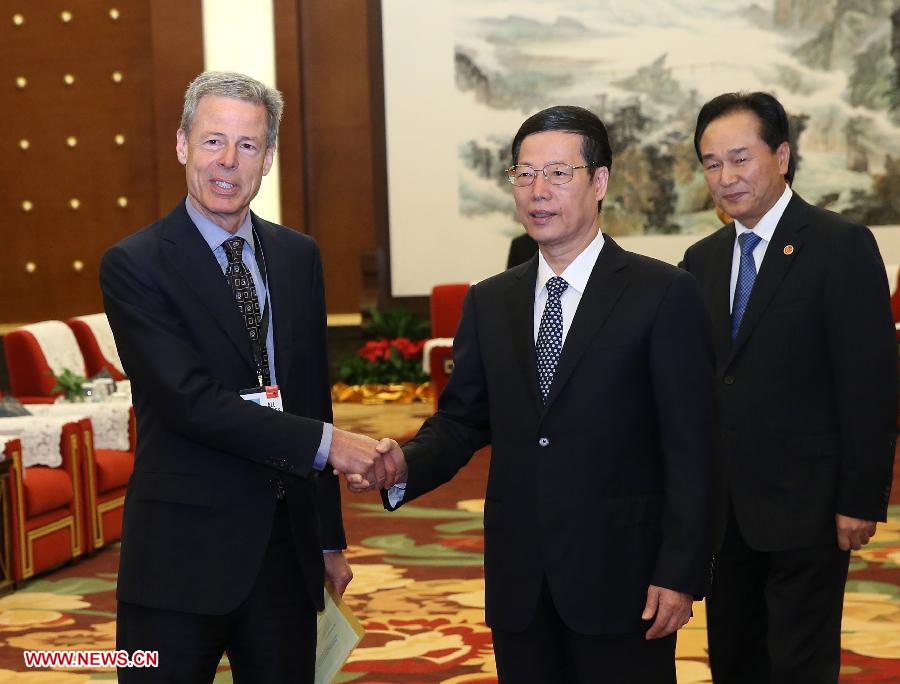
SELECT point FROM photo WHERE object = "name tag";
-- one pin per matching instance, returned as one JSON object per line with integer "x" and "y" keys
{"x": 269, "y": 396}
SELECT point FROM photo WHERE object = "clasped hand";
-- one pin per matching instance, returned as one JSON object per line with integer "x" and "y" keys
{"x": 365, "y": 463}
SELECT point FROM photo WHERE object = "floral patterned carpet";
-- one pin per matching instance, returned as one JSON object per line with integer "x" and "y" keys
{"x": 418, "y": 591}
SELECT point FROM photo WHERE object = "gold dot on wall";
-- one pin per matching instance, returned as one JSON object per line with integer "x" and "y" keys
{"x": 68, "y": 79}
{"x": 114, "y": 14}
{"x": 78, "y": 265}
{"x": 71, "y": 141}
{"x": 30, "y": 267}
{"x": 120, "y": 139}
{"x": 27, "y": 205}
{"x": 66, "y": 16}
{"x": 75, "y": 203}
{"x": 18, "y": 19}
{"x": 117, "y": 76}
{"x": 122, "y": 201}
{"x": 24, "y": 144}
{"x": 21, "y": 82}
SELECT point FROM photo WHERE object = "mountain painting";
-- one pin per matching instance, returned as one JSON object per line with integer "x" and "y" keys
{"x": 647, "y": 67}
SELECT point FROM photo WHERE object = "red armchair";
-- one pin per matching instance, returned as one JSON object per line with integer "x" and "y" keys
{"x": 446, "y": 310}
{"x": 46, "y": 510}
{"x": 97, "y": 345}
{"x": 105, "y": 475}
{"x": 34, "y": 352}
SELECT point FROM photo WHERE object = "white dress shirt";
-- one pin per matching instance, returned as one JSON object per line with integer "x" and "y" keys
{"x": 764, "y": 229}
{"x": 576, "y": 275}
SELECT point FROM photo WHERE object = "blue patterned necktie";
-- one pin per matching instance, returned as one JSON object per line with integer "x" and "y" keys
{"x": 746, "y": 278}
{"x": 241, "y": 282}
{"x": 549, "y": 340}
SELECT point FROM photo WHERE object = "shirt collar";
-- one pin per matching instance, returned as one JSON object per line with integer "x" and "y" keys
{"x": 216, "y": 235}
{"x": 577, "y": 273}
{"x": 767, "y": 224}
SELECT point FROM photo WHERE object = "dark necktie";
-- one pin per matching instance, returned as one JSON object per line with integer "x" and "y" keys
{"x": 549, "y": 340}
{"x": 248, "y": 303}
{"x": 746, "y": 278}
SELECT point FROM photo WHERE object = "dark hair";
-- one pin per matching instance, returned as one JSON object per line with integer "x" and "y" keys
{"x": 774, "y": 128}
{"x": 568, "y": 119}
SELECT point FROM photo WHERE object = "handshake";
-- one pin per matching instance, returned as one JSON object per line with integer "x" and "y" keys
{"x": 365, "y": 463}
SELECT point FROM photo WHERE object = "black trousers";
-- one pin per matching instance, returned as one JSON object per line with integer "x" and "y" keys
{"x": 548, "y": 652}
{"x": 775, "y": 617}
{"x": 270, "y": 637}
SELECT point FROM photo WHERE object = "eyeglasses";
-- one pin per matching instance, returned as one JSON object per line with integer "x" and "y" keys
{"x": 522, "y": 175}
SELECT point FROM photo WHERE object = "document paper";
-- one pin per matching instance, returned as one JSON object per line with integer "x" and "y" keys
{"x": 338, "y": 634}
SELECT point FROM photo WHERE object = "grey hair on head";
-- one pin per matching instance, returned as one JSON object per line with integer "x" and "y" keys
{"x": 239, "y": 87}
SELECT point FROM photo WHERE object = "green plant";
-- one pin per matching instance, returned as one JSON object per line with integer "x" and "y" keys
{"x": 70, "y": 384}
{"x": 395, "y": 323}
{"x": 384, "y": 361}
{"x": 392, "y": 354}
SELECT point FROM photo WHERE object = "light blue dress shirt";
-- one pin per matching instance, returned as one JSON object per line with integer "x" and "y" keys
{"x": 215, "y": 236}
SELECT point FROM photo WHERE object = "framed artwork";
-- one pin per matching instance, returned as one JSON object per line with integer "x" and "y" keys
{"x": 462, "y": 75}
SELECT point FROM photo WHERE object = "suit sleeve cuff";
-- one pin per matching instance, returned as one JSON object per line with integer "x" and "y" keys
{"x": 324, "y": 447}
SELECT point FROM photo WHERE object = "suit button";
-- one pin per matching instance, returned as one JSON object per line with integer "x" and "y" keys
{"x": 729, "y": 380}
{"x": 543, "y": 441}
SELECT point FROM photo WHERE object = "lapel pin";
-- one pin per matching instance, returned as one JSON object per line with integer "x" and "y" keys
{"x": 788, "y": 250}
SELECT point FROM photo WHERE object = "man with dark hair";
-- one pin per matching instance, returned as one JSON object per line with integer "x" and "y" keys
{"x": 219, "y": 317}
{"x": 589, "y": 371}
{"x": 807, "y": 401}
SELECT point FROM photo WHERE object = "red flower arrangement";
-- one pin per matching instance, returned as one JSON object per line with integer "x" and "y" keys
{"x": 391, "y": 357}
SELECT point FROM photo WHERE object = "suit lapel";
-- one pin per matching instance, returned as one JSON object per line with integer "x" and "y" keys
{"x": 197, "y": 266}
{"x": 520, "y": 309}
{"x": 720, "y": 292}
{"x": 607, "y": 283}
{"x": 775, "y": 266}
{"x": 277, "y": 271}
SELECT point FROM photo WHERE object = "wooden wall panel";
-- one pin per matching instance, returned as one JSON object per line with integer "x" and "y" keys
{"x": 89, "y": 171}
{"x": 291, "y": 145}
{"x": 338, "y": 143}
{"x": 176, "y": 35}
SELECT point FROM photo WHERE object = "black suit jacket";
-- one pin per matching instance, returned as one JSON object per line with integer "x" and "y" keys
{"x": 807, "y": 393}
{"x": 521, "y": 249}
{"x": 200, "y": 503}
{"x": 603, "y": 490}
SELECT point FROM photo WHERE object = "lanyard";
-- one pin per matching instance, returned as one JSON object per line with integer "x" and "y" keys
{"x": 257, "y": 345}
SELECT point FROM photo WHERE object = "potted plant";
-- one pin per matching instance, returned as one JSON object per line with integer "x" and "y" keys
{"x": 388, "y": 367}
{"x": 70, "y": 384}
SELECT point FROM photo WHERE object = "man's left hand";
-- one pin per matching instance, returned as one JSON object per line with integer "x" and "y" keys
{"x": 853, "y": 533}
{"x": 337, "y": 571}
{"x": 671, "y": 608}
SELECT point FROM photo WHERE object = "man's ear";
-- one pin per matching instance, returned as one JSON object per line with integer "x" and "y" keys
{"x": 600, "y": 181}
{"x": 269, "y": 158}
{"x": 783, "y": 153}
{"x": 181, "y": 144}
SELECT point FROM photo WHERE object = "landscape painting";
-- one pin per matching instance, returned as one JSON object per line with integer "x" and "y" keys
{"x": 646, "y": 68}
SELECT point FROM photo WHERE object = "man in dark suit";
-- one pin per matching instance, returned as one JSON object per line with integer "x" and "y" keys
{"x": 521, "y": 249}
{"x": 589, "y": 371}
{"x": 231, "y": 504}
{"x": 807, "y": 398}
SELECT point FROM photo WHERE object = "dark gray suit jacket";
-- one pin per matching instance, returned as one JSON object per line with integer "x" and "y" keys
{"x": 807, "y": 393}
{"x": 605, "y": 489}
{"x": 200, "y": 503}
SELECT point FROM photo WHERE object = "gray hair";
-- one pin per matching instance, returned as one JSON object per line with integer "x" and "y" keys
{"x": 236, "y": 86}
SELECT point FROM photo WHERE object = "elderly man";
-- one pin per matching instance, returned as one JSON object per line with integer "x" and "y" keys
{"x": 807, "y": 397}
{"x": 219, "y": 318}
{"x": 589, "y": 371}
